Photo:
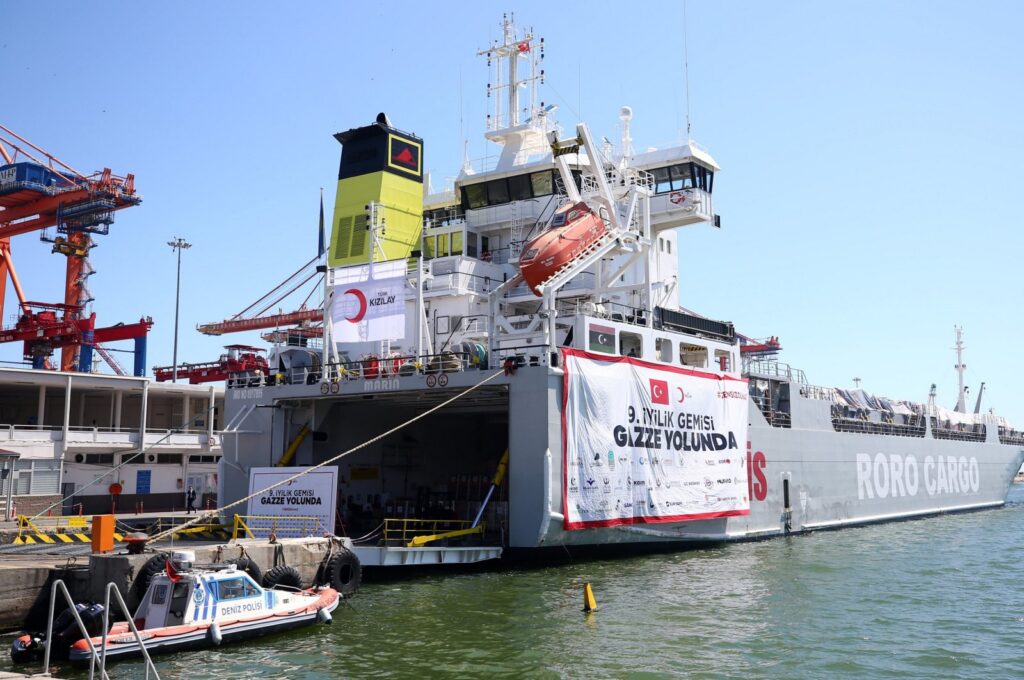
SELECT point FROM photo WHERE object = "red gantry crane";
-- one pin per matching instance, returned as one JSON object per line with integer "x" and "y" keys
{"x": 42, "y": 192}
{"x": 239, "y": 360}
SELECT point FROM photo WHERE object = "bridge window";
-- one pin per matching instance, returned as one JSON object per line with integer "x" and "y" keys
{"x": 542, "y": 183}
{"x": 682, "y": 176}
{"x": 474, "y": 196}
{"x": 519, "y": 187}
{"x": 693, "y": 355}
{"x": 504, "y": 190}
{"x": 497, "y": 192}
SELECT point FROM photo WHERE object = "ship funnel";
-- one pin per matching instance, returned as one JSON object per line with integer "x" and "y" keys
{"x": 380, "y": 180}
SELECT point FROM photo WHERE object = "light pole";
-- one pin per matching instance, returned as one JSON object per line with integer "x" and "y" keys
{"x": 177, "y": 244}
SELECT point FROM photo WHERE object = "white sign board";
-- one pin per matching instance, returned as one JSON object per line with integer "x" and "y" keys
{"x": 312, "y": 495}
{"x": 645, "y": 443}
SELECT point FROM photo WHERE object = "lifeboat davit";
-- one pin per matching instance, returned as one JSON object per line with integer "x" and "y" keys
{"x": 572, "y": 231}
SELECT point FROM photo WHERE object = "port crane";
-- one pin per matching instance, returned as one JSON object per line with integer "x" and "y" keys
{"x": 39, "y": 192}
{"x": 255, "y": 316}
{"x": 239, "y": 360}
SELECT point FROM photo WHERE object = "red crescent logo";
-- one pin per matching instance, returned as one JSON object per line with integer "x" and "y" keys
{"x": 362, "y": 305}
{"x": 682, "y": 395}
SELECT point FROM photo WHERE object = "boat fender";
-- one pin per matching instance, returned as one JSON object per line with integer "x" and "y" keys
{"x": 283, "y": 576}
{"x": 249, "y": 566}
{"x": 324, "y": 616}
{"x": 27, "y": 648}
{"x": 213, "y": 632}
{"x": 343, "y": 572}
{"x": 156, "y": 564}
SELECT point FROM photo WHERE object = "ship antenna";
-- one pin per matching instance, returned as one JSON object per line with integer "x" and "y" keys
{"x": 686, "y": 73}
{"x": 961, "y": 407}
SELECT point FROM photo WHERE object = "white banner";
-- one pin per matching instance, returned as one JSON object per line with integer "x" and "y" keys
{"x": 648, "y": 443}
{"x": 312, "y": 495}
{"x": 365, "y": 308}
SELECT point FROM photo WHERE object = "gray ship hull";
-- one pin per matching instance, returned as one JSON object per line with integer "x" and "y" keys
{"x": 803, "y": 477}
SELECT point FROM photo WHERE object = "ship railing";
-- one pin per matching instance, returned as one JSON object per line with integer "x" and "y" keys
{"x": 845, "y": 419}
{"x": 518, "y": 356}
{"x": 958, "y": 431}
{"x": 413, "y": 532}
{"x": 1011, "y": 436}
{"x": 772, "y": 368}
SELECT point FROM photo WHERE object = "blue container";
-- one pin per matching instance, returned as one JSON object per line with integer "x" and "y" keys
{"x": 30, "y": 173}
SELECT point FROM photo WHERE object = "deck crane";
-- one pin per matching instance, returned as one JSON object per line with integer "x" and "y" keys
{"x": 38, "y": 191}
{"x": 255, "y": 317}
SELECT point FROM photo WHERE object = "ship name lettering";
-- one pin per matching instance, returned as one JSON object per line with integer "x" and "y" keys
{"x": 894, "y": 476}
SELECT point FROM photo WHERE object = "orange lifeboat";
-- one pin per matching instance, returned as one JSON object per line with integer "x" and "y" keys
{"x": 573, "y": 229}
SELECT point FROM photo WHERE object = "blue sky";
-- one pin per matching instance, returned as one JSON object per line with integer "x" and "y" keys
{"x": 870, "y": 154}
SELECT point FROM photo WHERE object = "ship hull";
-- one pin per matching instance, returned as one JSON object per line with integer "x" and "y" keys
{"x": 832, "y": 479}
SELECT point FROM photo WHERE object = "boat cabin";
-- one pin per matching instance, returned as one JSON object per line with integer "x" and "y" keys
{"x": 180, "y": 596}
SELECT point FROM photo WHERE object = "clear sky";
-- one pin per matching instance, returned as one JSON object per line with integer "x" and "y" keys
{"x": 870, "y": 154}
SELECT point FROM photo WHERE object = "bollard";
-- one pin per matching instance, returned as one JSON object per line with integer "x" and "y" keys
{"x": 102, "y": 533}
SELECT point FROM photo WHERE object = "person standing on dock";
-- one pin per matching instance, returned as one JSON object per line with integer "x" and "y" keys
{"x": 190, "y": 496}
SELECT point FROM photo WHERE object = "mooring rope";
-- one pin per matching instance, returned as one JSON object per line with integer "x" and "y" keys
{"x": 209, "y": 515}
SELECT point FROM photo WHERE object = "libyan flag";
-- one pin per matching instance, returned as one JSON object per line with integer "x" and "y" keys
{"x": 602, "y": 339}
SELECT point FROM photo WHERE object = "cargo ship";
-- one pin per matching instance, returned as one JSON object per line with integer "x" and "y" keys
{"x": 531, "y": 315}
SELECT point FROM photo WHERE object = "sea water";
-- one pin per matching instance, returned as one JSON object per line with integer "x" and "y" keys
{"x": 931, "y": 598}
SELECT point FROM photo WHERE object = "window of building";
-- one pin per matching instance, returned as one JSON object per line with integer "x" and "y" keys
{"x": 663, "y": 348}
{"x": 168, "y": 459}
{"x": 99, "y": 458}
{"x": 631, "y": 345}
{"x": 456, "y": 243}
{"x": 693, "y": 355}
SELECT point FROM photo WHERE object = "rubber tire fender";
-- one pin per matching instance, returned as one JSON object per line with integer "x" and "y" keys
{"x": 343, "y": 572}
{"x": 282, "y": 575}
{"x": 249, "y": 566}
{"x": 153, "y": 566}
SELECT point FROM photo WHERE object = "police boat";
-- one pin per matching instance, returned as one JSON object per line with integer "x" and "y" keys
{"x": 188, "y": 607}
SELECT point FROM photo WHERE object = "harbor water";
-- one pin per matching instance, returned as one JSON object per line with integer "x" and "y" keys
{"x": 936, "y": 597}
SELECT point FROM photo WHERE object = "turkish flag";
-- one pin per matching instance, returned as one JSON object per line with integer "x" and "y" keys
{"x": 659, "y": 392}
{"x": 523, "y": 47}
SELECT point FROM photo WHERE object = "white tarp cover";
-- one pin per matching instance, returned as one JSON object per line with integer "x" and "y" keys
{"x": 645, "y": 443}
{"x": 369, "y": 305}
{"x": 312, "y": 495}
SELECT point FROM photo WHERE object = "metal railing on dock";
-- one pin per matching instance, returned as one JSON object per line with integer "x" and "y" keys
{"x": 264, "y": 526}
{"x": 98, "y": 660}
